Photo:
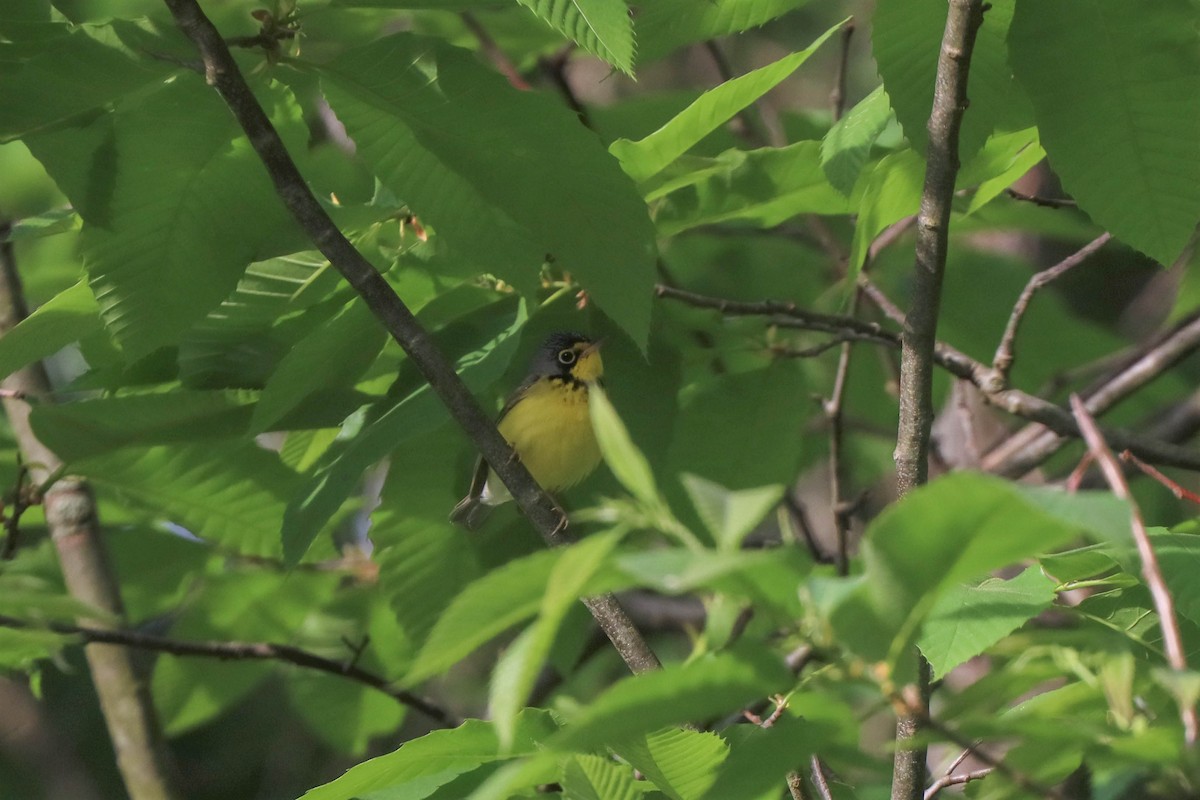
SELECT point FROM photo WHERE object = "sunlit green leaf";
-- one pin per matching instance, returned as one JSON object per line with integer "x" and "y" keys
{"x": 67, "y": 318}
{"x": 649, "y": 156}
{"x": 602, "y": 27}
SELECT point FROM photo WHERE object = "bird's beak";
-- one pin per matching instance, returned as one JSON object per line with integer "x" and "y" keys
{"x": 591, "y": 348}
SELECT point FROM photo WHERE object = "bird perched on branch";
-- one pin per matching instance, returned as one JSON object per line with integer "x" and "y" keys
{"x": 546, "y": 421}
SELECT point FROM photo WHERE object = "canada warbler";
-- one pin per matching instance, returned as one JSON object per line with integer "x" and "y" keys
{"x": 547, "y": 423}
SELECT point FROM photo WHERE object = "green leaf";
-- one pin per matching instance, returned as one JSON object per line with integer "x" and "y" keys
{"x": 730, "y": 516}
{"x": 89, "y": 428}
{"x": 340, "y": 468}
{"x": 226, "y": 492}
{"x": 764, "y": 187}
{"x": 847, "y": 145}
{"x": 620, "y": 453}
{"x": 598, "y": 778}
{"x": 347, "y": 715}
{"x": 236, "y": 344}
{"x": 66, "y": 318}
{"x": 665, "y": 25}
{"x": 486, "y": 608}
{"x": 743, "y": 430}
{"x": 423, "y": 571}
{"x": 1177, "y": 558}
{"x": 487, "y": 167}
{"x": 420, "y": 766}
{"x": 1022, "y": 153}
{"x": 69, "y": 73}
{"x": 191, "y": 691}
{"x": 682, "y": 763}
{"x": 955, "y": 529}
{"x": 148, "y": 244}
{"x": 967, "y": 620}
{"x": 601, "y": 27}
{"x": 705, "y": 687}
{"x": 892, "y": 192}
{"x": 517, "y": 670}
{"x": 647, "y": 157}
{"x": 332, "y": 356}
{"x": 1105, "y": 81}
{"x": 761, "y": 758}
{"x": 906, "y": 37}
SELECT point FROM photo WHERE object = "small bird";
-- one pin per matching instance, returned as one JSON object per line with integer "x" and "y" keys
{"x": 546, "y": 421}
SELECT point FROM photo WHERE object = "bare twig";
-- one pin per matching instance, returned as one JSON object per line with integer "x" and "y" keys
{"x": 818, "y": 778}
{"x": 242, "y": 651}
{"x": 837, "y": 96}
{"x": 493, "y": 51}
{"x": 1164, "y": 604}
{"x": 222, "y": 72}
{"x": 1030, "y": 446}
{"x": 955, "y": 780}
{"x": 1015, "y": 402}
{"x": 74, "y": 527}
{"x": 12, "y": 515}
{"x": 1180, "y": 492}
{"x": 795, "y": 784}
{"x": 555, "y": 68}
{"x": 1005, "y": 351}
{"x": 1038, "y": 200}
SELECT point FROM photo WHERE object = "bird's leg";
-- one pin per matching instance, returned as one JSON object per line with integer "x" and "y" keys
{"x": 563, "y": 522}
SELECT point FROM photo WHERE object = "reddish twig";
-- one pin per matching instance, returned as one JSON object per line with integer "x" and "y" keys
{"x": 1179, "y": 491}
{"x": 494, "y": 52}
{"x": 1164, "y": 604}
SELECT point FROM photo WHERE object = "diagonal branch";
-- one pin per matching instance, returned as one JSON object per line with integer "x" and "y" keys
{"x": 222, "y": 72}
{"x": 1164, "y": 604}
{"x": 238, "y": 651}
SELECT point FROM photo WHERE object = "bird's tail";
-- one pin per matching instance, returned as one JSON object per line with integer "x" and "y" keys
{"x": 470, "y": 512}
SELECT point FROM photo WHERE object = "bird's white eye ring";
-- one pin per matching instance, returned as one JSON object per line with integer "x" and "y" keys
{"x": 566, "y": 356}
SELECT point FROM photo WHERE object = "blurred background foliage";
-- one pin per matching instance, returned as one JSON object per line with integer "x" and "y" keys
{"x": 269, "y": 466}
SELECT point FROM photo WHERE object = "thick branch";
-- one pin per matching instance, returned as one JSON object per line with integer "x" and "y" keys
{"x": 75, "y": 530}
{"x": 238, "y": 651}
{"x": 1164, "y": 604}
{"x": 222, "y": 72}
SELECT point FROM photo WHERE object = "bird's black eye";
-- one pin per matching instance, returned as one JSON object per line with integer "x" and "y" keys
{"x": 566, "y": 357}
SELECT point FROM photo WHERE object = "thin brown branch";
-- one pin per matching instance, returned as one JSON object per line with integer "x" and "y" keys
{"x": 956, "y": 780}
{"x": 1029, "y": 447}
{"x": 1164, "y": 604}
{"x": 1014, "y": 401}
{"x": 1180, "y": 492}
{"x": 1038, "y": 200}
{"x": 837, "y": 95}
{"x": 493, "y": 51}
{"x": 818, "y": 778}
{"x": 795, "y": 784}
{"x": 222, "y": 73}
{"x": 74, "y": 526}
{"x": 555, "y": 68}
{"x": 1006, "y": 350}
{"x": 1018, "y": 778}
{"x": 14, "y": 512}
{"x": 241, "y": 651}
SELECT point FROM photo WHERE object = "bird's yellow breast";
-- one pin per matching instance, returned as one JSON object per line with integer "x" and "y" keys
{"x": 551, "y": 431}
